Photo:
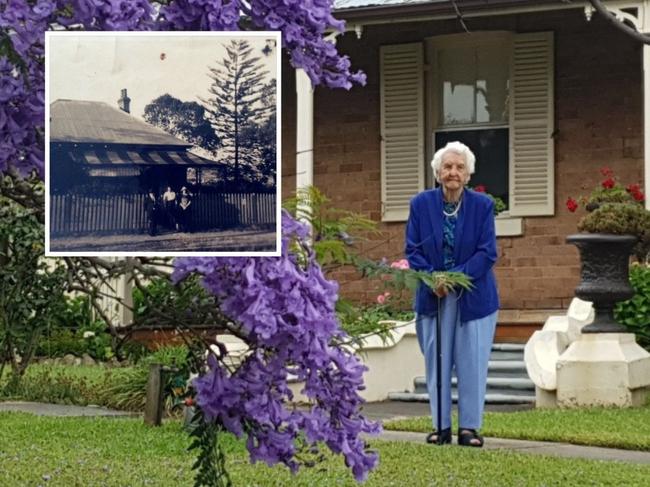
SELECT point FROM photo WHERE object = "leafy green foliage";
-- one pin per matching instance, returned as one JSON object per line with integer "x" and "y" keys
{"x": 617, "y": 210}
{"x": 635, "y": 312}
{"x": 92, "y": 338}
{"x": 117, "y": 388}
{"x": 126, "y": 388}
{"x": 210, "y": 464}
{"x": 74, "y": 330}
{"x": 31, "y": 288}
{"x": 161, "y": 304}
{"x": 621, "y": 219}
{"x": 332, "y": 228}
{"x": 410, "y": 279}
{"x": 186, "y": 120}
{"x": 236, "y": 102}
{"x": 53, "y": 385}
{"x": 372, "y": 320}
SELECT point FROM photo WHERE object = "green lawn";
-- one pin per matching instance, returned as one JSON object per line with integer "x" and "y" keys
{"x": 610, "y": 427}
{"x": 124, "y": 452}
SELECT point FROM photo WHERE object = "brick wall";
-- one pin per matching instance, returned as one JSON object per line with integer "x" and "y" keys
{"x": 598, "y": 108}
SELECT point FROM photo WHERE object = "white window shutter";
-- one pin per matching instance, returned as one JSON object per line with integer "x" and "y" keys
{"x": 532, "y": 179}
{"x": 402, "y": 128}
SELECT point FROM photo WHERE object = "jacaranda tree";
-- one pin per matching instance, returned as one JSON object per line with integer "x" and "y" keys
{"x": 283, "y": 308}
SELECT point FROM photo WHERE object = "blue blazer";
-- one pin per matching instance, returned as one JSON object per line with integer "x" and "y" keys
{"x": 475, "y": 250}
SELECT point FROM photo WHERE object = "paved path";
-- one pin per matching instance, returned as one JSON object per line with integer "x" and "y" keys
{"x": 537, "y": 447}
{"x": 216, "y": 241}
{"x": 386, "y": 411}
{"x": 42, "y": 409}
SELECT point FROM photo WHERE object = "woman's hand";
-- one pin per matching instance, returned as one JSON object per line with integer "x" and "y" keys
{"x": 440, "y": 291}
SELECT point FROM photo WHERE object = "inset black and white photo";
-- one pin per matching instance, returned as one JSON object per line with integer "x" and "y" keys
{"x": 162, "y": 143}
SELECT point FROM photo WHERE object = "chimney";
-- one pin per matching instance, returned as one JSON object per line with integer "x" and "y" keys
{"x": 124, "y": 102}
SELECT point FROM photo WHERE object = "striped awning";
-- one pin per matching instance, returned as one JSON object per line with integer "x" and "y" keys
{"x": 145, "y": 157}
{"x": 113, "y": 172}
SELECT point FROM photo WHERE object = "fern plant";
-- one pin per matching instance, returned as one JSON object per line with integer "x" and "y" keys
{"x": 332, "y": 228}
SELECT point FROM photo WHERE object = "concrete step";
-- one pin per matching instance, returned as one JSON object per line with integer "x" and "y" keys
{"x": 490, "y": 398}
{"x": 509, "y": 347}
{"x": 502, "y": 385}
{"x": 511, "y": 355}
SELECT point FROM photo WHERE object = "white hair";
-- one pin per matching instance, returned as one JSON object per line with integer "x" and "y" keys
{"x": 458, "y": 148}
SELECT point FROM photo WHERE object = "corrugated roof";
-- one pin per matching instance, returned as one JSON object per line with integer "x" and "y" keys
{"x": 345, "y": 4}
{"x": 96, "y": 122}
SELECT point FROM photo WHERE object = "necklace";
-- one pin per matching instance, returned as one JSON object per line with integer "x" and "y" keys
{"x": 456, "y": 209}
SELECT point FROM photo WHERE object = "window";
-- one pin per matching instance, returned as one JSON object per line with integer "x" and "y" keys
{"x": 468, "y": 92}
{"x": 494, "y": 92}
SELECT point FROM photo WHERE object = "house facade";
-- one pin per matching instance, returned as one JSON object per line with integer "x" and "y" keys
{"x": 544, "y": 92}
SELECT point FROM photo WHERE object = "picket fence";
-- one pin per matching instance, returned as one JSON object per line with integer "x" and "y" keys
{"x": 125, "y": 213}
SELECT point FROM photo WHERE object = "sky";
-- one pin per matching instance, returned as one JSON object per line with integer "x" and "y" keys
{"x": 96, "y": 67}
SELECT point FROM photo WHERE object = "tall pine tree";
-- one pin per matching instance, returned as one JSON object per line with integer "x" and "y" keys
{"x": 236, "y": 104}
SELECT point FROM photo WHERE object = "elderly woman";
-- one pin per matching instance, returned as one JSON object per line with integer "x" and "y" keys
{"x": 451, "y": 228}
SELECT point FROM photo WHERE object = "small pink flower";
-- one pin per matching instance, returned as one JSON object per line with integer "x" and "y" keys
{"x": 381, "y": 299}
{"x": 480, "y": 188}
{"x": 400, "y": 264}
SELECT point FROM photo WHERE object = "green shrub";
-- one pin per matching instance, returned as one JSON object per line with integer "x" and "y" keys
{"x": 91, "y": 338}
{"x": 126, "y": 388}
{"x": 60, "y": 342}
{"x": 635, "y": 313}
{"x": 59, "y": 387}
{"x": 76, "y": 313}
{"x": 74, "y": 330}
{"x": 133, "y": 351}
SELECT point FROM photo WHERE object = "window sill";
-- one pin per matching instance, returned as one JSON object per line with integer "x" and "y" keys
{"x": 507, "y": 226}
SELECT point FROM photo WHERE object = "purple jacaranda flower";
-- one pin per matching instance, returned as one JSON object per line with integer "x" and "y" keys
{"x": 285, "y": 312}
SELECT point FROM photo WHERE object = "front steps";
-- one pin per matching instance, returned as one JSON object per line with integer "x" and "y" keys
{"x": 507, "y": 383}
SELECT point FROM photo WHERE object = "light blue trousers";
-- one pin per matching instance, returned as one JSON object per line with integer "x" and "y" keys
{"x": 466, "y": 347}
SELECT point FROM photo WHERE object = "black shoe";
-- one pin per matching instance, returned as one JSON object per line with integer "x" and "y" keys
{"x": 469, "y": 437}
{"x": 444, "y": 439}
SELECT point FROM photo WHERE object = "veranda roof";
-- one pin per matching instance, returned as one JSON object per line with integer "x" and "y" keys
{"x": 434, "y": 7}
{"x": 141, "y": 157}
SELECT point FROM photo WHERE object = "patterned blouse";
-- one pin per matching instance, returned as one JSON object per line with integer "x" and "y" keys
{"x": 448, "y": 228}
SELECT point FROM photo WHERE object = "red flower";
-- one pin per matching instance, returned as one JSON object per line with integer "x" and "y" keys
{"x": 607, "y": 172}
{"x": 189, "y": 402}
{"x": 608, "y": 183}
{"x": 480, "y": 188}
{"x": 571, "y": 204}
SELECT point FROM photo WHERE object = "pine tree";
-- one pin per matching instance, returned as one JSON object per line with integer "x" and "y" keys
{"x": 236, "y": 104}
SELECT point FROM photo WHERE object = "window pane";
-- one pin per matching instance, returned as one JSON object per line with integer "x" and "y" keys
{"x": 490, "y": 146}
{"x": 457, "y": 73}
{"x": 491, "y": 85}
{"x": 473, "y": 84}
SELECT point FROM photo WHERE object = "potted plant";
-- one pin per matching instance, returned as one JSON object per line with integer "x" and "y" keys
{"x": 615, "y": 226}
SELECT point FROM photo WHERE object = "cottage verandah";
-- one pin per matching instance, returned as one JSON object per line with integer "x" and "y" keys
{"x": 592, "y": 115}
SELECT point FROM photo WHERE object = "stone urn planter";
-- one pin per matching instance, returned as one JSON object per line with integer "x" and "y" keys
{"x": 604, "y": 366}
{"x": 604, "y": 276}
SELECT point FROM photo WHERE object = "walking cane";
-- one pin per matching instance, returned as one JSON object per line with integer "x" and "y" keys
{"x": 439, "y": 372}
